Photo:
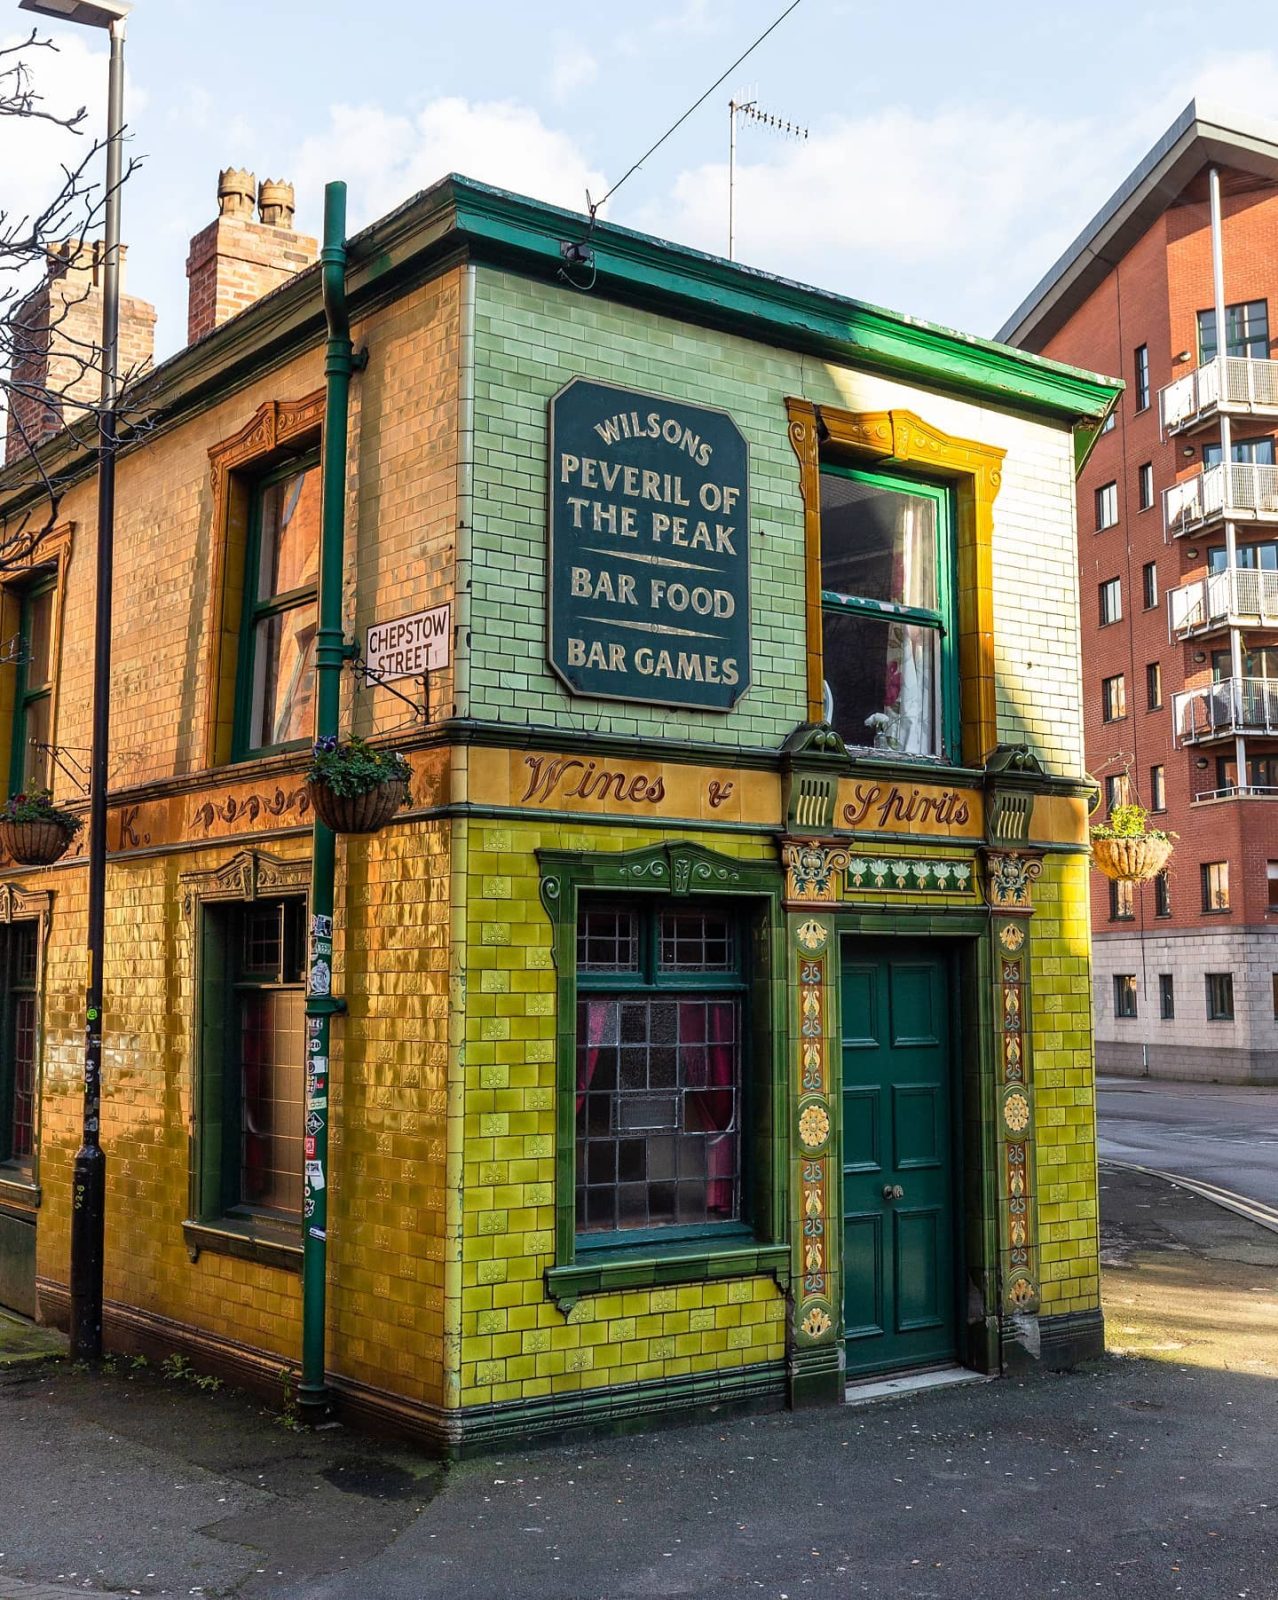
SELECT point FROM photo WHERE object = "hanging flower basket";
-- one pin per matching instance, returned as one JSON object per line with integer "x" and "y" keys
{"x": 1127, "y": 849}
{"x": 34, "y": 831}
{"x": 354, "y": 787}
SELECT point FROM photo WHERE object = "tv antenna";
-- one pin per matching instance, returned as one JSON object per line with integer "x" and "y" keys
{"x": 752, "y": 112}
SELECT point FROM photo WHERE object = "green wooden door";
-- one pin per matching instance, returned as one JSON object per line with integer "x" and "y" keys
{"x": 899, "y": 1288}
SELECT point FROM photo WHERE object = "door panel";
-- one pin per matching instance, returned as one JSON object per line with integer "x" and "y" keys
{"x": 898, "y": 1179}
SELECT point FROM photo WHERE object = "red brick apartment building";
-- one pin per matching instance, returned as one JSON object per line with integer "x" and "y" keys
{"x": 1178, "y": 573}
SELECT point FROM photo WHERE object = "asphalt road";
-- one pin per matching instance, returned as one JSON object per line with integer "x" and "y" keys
{"x": 1220, "y": 1134}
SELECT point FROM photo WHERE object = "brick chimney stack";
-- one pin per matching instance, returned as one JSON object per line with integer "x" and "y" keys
{"x": 57, "y": 329}
{"x": 236, "y": 260}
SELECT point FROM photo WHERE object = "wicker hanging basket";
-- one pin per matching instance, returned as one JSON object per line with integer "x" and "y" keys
{"x": 1131, "y": 860}
{"x": 36, "y": 844}
{"x": 357, "y": 813}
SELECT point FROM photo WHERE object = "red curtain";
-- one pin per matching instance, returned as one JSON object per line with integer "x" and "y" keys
{"x": 596, "y": 1025}
{"x": 712, "y": 1108}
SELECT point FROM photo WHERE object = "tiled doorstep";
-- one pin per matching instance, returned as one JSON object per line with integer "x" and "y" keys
{"x": 868, "y": 1389}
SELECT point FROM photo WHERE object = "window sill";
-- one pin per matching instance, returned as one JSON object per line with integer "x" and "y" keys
{"x": 694, "y": 1262}
{"x": 270, "y": 1244}
{"x": 18, "y": 1190}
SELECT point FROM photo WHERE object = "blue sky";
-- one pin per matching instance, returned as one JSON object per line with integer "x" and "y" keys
{"x": 953, "y": 149}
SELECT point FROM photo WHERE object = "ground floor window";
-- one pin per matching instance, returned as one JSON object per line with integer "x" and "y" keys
{"x": 660, "y": 1020}
{"x": 1220, "y": 997}
{"x": 17, "y": 1044}
{"x": 1166, "y": 996}
{"x": 1124, "y": 994}
{"x": 252, "y": 1060}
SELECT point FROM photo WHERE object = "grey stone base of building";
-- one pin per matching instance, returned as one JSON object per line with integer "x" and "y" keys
{"x": 1187, "y": 1063}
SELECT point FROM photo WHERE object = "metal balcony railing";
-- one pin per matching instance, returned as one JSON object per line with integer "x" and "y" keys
{"x": 1253, "y": 791}
{"x": 1224, "y": 599}
{"x": 1252, "y": 497}
{"x": 1220, "y": 710}
{"x": 1237, "y": 385}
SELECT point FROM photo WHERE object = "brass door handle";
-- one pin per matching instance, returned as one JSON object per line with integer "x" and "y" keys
{"x": 893, "y": 1191}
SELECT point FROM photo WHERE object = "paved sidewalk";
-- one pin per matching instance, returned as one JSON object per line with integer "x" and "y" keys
{"x": 1154, "y": 1473}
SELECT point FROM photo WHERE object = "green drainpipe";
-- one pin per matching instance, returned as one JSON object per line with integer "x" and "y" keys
{"x": 330, "y": 653}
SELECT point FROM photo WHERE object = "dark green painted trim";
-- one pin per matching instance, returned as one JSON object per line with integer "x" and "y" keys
{"x": 268, "y": 1246}
{"x": 622, "y": 1408}
{"x": 1064, "y": 1342}
{"x": 816, "y": 1376}
{"x": 674, "y": 869}
{"x": 693, "y": 1261}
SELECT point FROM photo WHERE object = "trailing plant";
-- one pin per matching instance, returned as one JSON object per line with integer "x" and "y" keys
{"x": 354, "y": 767}
{"x": 1130, "y": 821}
{"x": 38, "y": 806}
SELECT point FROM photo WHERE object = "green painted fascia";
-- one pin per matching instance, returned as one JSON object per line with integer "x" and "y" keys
{"x": 778, "y": 310}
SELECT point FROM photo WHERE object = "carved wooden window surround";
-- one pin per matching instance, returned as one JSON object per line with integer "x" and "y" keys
{"x": 49, "y": 557}
{"x": 22, "y": 1184}
{"x": 277, "y": 431}
{"x": 899, "y": 438}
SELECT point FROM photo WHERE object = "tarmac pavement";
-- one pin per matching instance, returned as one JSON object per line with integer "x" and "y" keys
{"x": 1152, "y": 1473}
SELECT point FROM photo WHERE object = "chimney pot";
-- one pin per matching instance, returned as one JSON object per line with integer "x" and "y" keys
{"x": 235, "y": 190}
{"x": 275, "y": 203}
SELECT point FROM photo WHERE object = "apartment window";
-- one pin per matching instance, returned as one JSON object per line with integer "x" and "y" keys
{"x": 1153, "y": 685}
{"x": 253, "y": 1049}
{"x": 1262, "y": 772}
{"x": 1111, "y": 601}
{"x": 1258, "y": 661}
{"x": 1118, "y": 790}
{"x": 1124, "y": 994}
{"x": 1114, "y": 698}
{"x": 1215, "y": 879}
{"x": 276, "y": 677}
{"x": 1110, "y": 422}
{"x": 17, "y": 1046}
{"x": 659, "y": 1059}
{"x": 1122, "y": 900}
{"x": 1261, "y": 555}
{"x": 1246, "y": 331}
{"x": 1272, "y": 874}
{"x": 887, "y": 615}
{"x": 1252, "y": 452}
{"x": 1220, "y": 997}
{"x": 1106, "y": 506}
{"x": 1166, "y": 997}
{"x": 1141, "y": 392}
{"x": 1162, "y": 895}
{"x": 33, "y": 690}
{"x": 1157, "y": 789}
{"x": 1145, "y": 488}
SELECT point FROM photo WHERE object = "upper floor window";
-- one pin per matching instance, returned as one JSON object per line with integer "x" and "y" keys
{"x": 1149, "y": 584}
{"x": 887, "y": 614}
{"x": 1153, "y": 685}
{"x": 1158, "y": 788}
{"x": 1114, "y": 697}
{"x": 1254, "y": 452}
{"x": 1145, "y": 486}
{"x": 659, "y": 1068}
{"x": 276, "y": 675}
{"x": 1118, "y": 790}
{"x": 1246, "y": 331}
{"x": 1122, "y": 900}
{"x": 1110, "y": 422}
{"x": 1262, "y": 772}
{"x": 1258, "y": 661}
{"x": 1111, "y": 601}
{"x": 1262, "y": 555}
{"x": 1215, "y": 879}
{"x": 1141, "y": 390}
{"x": 33, "y": 690}
{"x": 1106, "y": 506}
{"x": 1162, "y": 894}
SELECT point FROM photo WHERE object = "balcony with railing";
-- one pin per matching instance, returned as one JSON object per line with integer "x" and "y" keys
{"x": 1237, "y": 597}
{"x": 1221, "y": 710}
{"x": 1234, "y": 386}
{"x": 1197, "y": 503}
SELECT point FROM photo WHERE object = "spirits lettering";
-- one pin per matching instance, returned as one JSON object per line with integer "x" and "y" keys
{"x": 877, "y": 805}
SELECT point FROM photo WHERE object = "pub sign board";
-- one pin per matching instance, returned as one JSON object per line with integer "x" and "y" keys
{"x": 649, "y": 564}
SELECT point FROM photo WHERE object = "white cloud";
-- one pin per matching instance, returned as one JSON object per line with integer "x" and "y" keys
{"x": 385, "y": 158}
{"x": 572, "y": 68}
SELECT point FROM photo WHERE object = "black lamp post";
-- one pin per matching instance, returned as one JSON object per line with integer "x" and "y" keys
{"x": 88, "y": 1193}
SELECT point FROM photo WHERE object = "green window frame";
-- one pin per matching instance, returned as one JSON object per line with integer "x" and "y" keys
{"x": 679, "y": 877}
{"x": 265, "y": 609}
{"x": 19, "y": 1032}
{"x": 33, "y": 689}
{"x": 939, "y": 620}
{"x": 252, "y": 1025}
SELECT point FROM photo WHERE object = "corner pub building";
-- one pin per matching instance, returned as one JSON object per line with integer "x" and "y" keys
{"x": 717, "y": 1019}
